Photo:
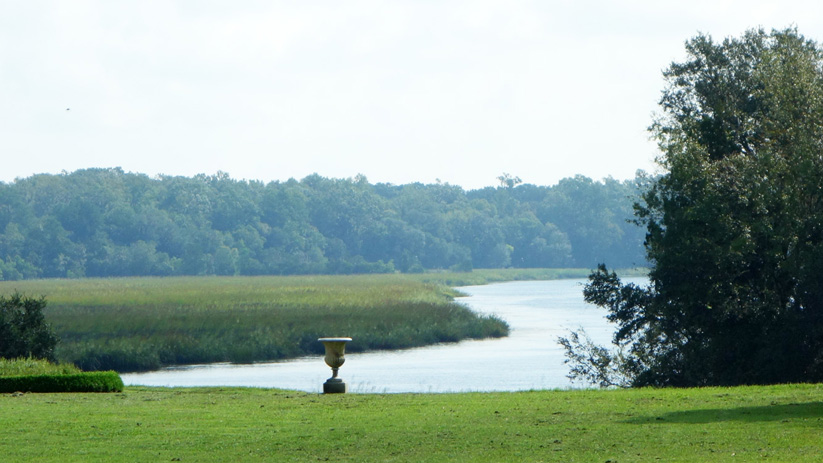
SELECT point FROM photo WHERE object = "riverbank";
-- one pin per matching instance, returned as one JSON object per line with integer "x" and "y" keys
{"x": 769, "y": 423}
{"x": 537, "y": 312}
{"x": 140, "y": 324}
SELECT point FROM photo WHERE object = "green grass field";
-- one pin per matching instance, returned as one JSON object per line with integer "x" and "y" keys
{"x": 775, "y": 423}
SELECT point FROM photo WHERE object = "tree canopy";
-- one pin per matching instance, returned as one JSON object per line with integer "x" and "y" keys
{"x": 105, "y": 222}
{"x": 734, "y": 229}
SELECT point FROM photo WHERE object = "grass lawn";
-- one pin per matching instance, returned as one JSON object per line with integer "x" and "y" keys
{"x": 775, "y": 423}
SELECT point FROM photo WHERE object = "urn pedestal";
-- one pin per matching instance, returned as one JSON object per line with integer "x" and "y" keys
{"x": 335, "y": 357}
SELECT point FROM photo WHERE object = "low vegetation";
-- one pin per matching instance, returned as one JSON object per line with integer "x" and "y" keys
{"x": 92, "y": 381}
{"x": 486, "y": 276}
{"x": 38, "y": 375}
{"x": 772, "y": 423}
{"x": 34, "y": 366}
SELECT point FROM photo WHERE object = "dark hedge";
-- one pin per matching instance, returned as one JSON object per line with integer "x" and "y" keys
{"x": 94, "y": 381}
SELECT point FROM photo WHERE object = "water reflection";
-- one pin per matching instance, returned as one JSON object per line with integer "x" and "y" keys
{"x": 530, "y": 358}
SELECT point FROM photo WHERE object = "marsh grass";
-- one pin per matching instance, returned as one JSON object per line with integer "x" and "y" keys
{"x": 32, "y": 366}
{"x": 134, "y": 324}
{"x": 743, "y": 424}
{"x": 485, "y": 276}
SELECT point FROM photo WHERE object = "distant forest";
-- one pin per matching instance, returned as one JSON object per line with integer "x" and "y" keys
{"x": 107, "y": 223}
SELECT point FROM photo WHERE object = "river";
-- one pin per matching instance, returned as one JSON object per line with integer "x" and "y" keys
{"x": 529, "y": 358}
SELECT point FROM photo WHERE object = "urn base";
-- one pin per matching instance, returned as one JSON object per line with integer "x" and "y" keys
{"x": 334, "y": 386}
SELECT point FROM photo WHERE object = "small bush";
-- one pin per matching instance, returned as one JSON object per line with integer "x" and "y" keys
{"x": 96, "y": 381}
{"x": 23, "y": 328}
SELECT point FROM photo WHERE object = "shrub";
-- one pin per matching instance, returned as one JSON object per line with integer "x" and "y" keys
{"x": 96, "y": 381}
{"x": 23, "y": 328}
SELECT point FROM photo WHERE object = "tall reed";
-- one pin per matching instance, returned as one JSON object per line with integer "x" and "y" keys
{"x": 135, "y": 324}
{"x": 32, "y": 366}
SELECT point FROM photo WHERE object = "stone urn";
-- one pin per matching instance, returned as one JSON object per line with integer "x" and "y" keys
{"x": 335, "y": 357}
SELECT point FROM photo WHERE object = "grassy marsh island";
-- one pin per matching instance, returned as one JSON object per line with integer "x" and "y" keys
{"x": 138, "y": 324}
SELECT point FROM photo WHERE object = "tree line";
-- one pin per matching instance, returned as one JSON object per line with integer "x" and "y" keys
{"x": 107, "y": 222}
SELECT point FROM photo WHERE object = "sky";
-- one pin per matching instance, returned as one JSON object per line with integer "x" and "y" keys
{"x": 402, "y": 91}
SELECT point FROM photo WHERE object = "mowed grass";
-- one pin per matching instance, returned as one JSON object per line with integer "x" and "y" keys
{"x": 133, "y": 324}
{"x": 776, "y": 423}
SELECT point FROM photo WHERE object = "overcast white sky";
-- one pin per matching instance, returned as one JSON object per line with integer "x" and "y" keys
{"x": 400, "y": 91}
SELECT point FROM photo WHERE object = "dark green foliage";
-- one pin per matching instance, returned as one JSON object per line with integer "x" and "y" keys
{"x": 95, "y": 381}
{"x": 105, "y": 222}
{"x": 735, "y": 228}
{"x": 23, "y": 328}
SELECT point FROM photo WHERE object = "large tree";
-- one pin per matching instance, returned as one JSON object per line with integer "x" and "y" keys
{"x": 734, "y": 228}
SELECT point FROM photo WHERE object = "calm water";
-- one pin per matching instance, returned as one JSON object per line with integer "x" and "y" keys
{"x": 529, "y": 358}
